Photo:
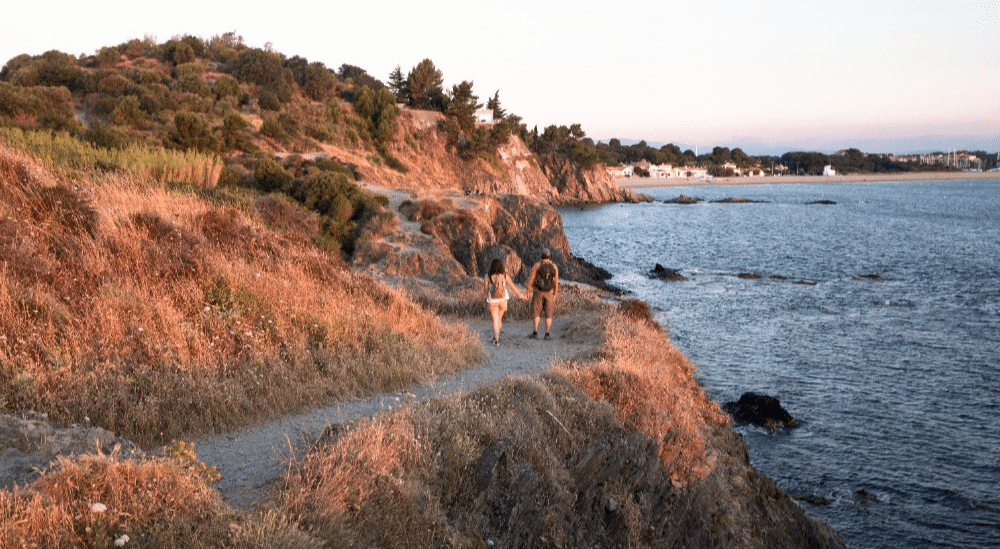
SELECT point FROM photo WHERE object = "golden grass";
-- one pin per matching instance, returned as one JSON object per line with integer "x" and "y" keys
{"x": 651, "y": 386}
{"x": 409, "y": 478}
{"x": 158, "y": 313}
{"x": 100, "y": 501}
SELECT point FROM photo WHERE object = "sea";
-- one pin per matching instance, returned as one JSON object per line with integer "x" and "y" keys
{"x": 871, "y": 311}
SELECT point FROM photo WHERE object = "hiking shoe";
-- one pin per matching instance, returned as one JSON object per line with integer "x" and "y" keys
{"x": 546, "y": 336}
{"x": 534, "y": 335}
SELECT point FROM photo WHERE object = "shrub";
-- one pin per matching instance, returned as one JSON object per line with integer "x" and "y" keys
{"x": 235, "y": 133}
{"x": 128, "y": 112}
{"x": 111, "y": 83}
{"x": 37, "y": 107}
{"x": 193, "y": 68}
{"x": 190, "y": 132}
{"x": 273, "y": 129}
{"x": 194, "y": 84}
{"x": 227, "y": 86}
{"x": 268, "y": 100}
{"x": 269, "y": 176}
{"x": 231, "y": 176}
{"x": 104, "y": 136}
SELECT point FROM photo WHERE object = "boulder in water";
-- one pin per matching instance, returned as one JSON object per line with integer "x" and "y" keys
{"x": 663, "y": 273}
{"x": 761, "y": 410}
{"x": 683, "y": 200}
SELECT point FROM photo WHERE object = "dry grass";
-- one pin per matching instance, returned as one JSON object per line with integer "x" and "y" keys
{"x": 651, "y": 386}
{"x": 159, "y": 314}
{"x": 105, "y": 501}
{"x": 415, "y": 478}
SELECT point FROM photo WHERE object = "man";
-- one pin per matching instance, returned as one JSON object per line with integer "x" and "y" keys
{"x": 542, "y": 288}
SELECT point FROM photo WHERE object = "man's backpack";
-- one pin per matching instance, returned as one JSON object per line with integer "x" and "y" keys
{"x": 545, "y": 278}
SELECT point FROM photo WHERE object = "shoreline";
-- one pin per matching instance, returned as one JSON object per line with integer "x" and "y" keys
{"x": 648, "y": 182}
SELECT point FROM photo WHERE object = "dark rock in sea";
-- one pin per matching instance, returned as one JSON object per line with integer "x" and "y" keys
{"x": 778, "y": 277}
{"x": 738, "y": 200}
{"x": 804, "y": 282}
{"x": 864, "y": 495}
{"x": 662, "y": 273}
{"x": 874, "y": 276}
{"x": 683, "y": 200}
{"x": 749, "y": 276}
{"x": 823, "y": 202}
{"x": 814, "y": 499}
{"x": 761, "y": 410}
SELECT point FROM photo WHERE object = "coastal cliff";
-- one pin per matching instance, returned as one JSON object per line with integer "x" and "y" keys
{"x": 514, "y": 170}
{"x": 617, "y": 447}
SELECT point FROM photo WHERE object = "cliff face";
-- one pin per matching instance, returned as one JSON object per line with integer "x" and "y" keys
{"x": 446, "y": 237}
{"x": 579, "y": 185}
{"x": 419, "y": 146}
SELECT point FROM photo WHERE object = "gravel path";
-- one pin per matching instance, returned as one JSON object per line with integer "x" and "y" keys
{"x": 250, "y": 461}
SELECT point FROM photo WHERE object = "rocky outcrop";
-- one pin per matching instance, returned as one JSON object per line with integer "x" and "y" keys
{"x": 29, "y": 442}
{"x": 761, "y": 410}
{"x": 662, "y": 273}
{"x": 576, "y": 184}
{"x": 450, "y": 237}
{"x": 682, "y": 199}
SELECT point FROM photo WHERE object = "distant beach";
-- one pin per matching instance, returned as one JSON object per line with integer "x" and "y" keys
{"x": 648, "y": 182}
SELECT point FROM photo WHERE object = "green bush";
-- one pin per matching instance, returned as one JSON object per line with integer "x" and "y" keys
{"x": 194, "y": 84}
{"x": 193, "y": 68}
{"x": 52, "y": 68}
{"x": 111, "y": 82}
{"x": 128, "y": 112}
{"x": 269, "y": 176}
{"x": 42, "y": 107}
{"x": 189, "y": 131}
{"x": 267, "y": 100}
{"x": 235, "y": 133}
{"x": 103, "y": 136}
{"x": 227, "y": 86}
{"x": 344, "y": 207}
{"x": 231, "y": 176}
{"x": 273, "y": 129}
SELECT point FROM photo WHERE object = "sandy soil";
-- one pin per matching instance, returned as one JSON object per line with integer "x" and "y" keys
{"x": 646, "y": 182}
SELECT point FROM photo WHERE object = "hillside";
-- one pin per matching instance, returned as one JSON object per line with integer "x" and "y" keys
{"x": 221, "y": 97}
{"x": 151, "y": 296}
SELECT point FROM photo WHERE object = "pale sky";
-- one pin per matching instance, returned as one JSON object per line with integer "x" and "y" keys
{"x": 879, "y": 75}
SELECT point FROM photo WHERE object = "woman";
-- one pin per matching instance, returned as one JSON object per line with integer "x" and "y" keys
{"x": 496, "y": 285}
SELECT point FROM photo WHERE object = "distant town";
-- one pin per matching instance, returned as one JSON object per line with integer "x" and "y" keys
{"x": 848, "y": 161}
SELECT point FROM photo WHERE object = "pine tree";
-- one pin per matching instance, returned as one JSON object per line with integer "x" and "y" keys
{"x": 397, "y": 83}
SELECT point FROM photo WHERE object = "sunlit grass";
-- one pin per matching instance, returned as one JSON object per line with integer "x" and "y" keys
{"x": 160, "y": 314}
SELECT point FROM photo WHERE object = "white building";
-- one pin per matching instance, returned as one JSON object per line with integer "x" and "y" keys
{"x": 484, "y": 116}
{"x": 828, "y": 170}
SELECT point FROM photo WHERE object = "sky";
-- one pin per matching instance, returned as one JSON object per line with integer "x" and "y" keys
{"x": 768, "y": 76}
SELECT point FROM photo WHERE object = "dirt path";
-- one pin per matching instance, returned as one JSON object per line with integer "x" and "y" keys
{"x": 250, "y": 461}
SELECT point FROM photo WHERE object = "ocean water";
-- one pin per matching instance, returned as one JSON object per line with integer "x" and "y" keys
{"x": 875, "y": 321}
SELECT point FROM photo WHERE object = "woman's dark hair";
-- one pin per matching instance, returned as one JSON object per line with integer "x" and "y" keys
{"x": 496, "y": 267}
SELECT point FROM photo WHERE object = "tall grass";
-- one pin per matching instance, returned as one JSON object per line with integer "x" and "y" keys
{"x": 160, "y": 314}
{"x": 651, "y": 386}
{"x": 518, "y": 462}
{"x": 63, "y": 152}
